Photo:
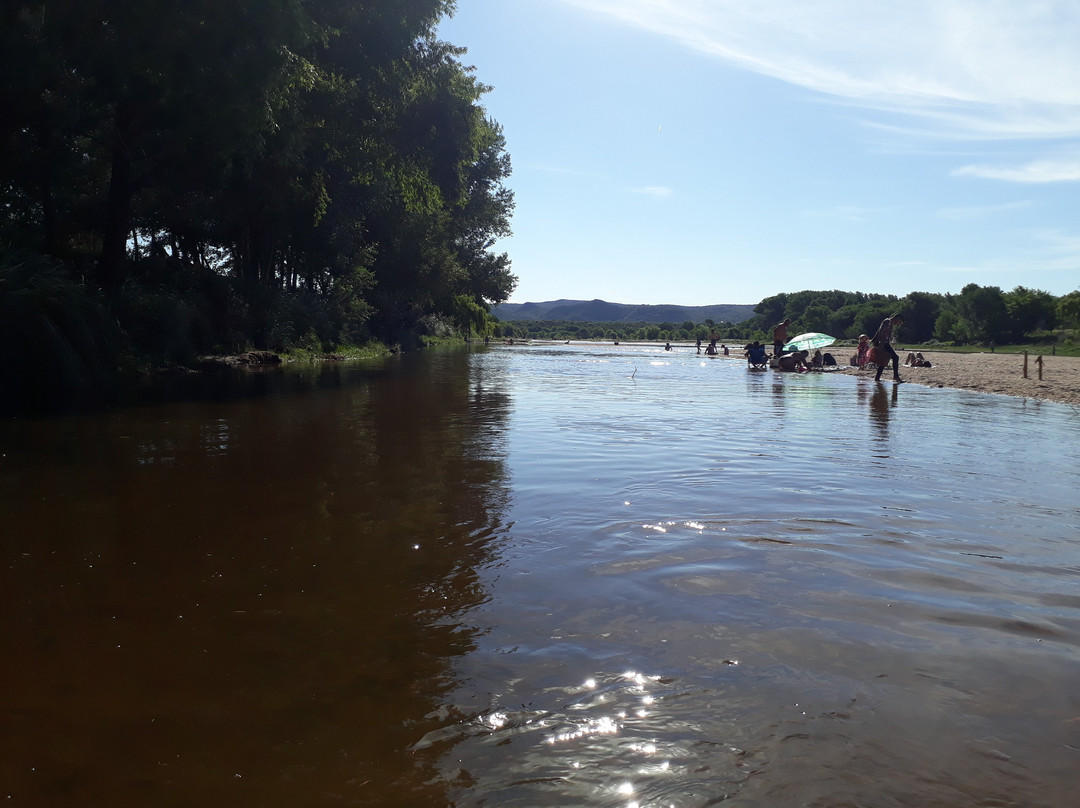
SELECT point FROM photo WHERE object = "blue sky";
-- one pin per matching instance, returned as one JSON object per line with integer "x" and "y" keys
{"x": 721, "y": 151}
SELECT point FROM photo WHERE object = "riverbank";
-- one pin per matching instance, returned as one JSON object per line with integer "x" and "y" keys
{"x": 996, "y": 373}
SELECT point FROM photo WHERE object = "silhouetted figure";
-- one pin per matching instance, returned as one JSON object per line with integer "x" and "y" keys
{"x": 882, "y": 341}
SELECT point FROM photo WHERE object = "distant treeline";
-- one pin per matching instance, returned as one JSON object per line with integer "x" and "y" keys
{"x": 652, "y": 332}
{"x": 977, "y": 315}
{"x": 601, "y": 311}
{"x": 210, "y": 176}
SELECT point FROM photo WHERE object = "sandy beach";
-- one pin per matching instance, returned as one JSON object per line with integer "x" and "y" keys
{"x": 995, "y": 373}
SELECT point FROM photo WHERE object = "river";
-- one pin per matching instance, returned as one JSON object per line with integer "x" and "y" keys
{"x": 545, "y": 575}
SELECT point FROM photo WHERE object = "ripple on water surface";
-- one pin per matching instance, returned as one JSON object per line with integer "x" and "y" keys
{"x": 891, "y": 568}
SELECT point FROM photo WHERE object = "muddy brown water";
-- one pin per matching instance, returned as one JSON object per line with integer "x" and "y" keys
{"x": 543, "y": 576}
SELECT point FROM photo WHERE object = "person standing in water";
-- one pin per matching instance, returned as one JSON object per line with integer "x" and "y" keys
{"x": 780, "y": 338}
{"x": 882, "y": 342}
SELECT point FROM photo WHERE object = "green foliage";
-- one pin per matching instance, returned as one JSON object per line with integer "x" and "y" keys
{"x": 977, "y": 315}
{"x": 332, "y": 160}
{"x": 1030, "y": 310}
{"x": 920, "y": 311}
{"x": 469, "y": 316}
{"x": 947, "y": 326}
{"x": 58, "y": 337}
{"x": 840, "y": 314}
{"x": 1068, "y": 310}
{"x": 982, "y": 315}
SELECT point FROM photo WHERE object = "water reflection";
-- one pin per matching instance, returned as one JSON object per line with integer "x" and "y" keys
{"x": 882, "y": 400}
{"x": 544, "y": 577}
{"x": 881, "y": 614}
{"x": 612, "y": 739}
{"x": 247, "y": 600}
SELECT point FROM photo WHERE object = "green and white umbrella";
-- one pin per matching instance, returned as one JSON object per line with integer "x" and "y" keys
{"x": 809, "y": 342}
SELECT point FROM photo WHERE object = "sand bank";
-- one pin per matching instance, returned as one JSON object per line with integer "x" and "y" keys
{"x": 995, "y": 373}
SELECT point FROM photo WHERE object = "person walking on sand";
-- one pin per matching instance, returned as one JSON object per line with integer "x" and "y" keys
{"x": 882, "y": 342}
{"x": 780, "y": 337}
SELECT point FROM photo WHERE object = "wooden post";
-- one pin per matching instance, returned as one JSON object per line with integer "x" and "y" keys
{"x": 1038, "y": 361}
{"x": 1025, "y": 364}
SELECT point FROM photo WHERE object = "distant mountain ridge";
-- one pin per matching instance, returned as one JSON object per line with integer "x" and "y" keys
{"x": 600, "y": 311}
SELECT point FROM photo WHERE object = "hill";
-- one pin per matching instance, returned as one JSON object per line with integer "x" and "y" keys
{"x": 600, "y": 311}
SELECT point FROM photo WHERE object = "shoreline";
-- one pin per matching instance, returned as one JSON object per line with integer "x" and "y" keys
{"x": 982, "y": 372}
{"x": 992, "y": 373}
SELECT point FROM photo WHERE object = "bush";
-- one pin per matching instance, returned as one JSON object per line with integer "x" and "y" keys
{"x": 61, "y": 343}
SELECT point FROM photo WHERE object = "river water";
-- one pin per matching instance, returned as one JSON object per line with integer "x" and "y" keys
{"x": 548, "y": 575}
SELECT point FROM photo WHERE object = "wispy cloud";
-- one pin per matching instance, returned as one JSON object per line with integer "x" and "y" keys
{"x": 844, "y": 213}
{"x": 658, "y": 191}
{"x": 980, "y": 211}
{"x": 1058, "y": 250}
{"x": 966, "y": 68}
{"x": 1048, "y": 250}
{"x": 1038, "y": 171}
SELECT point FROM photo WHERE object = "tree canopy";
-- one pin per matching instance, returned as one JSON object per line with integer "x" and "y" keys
{"x": 237, "y": 172}
{"x": 979, "y": 314}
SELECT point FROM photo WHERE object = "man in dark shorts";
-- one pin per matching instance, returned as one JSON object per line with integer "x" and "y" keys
{"x": 780, "y": 338}
{"x": 882, "y": 342}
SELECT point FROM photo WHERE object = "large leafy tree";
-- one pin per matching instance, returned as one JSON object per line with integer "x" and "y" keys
{"x": 982, "y": 314}
{"x": 327, "y": 148}
{"x": 1068, "y": 309}
{"x": 138, "y": 110}
{"x": 921, "y": 310}
{"x": 1030, "y": 309}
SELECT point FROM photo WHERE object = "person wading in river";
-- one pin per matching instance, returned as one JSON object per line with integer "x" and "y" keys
{"x": 780, "y": 338}
{"x": 882, "y": 342}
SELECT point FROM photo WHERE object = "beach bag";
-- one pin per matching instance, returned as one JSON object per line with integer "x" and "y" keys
{"x": 828, "y": 360}
{"x": 879, "y": 357}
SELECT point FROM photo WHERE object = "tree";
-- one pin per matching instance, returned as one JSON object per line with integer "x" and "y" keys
{"x": 946, "y": 326}
{"x": 921, "y": 310}
{"x": 814, "y": 318}
{"x": 50, "y": 319}
{"x": 1030, "y": 310}
{"x": 982, "y": 316}
{"x": 328, "y": 153}
{"x": 1068, "y": 309}
{"x": 469, "y": 317}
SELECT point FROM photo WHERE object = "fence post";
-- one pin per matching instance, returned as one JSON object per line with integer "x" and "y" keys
{"x": 1025, "y": 364}
{"x": 1039, "y": 362}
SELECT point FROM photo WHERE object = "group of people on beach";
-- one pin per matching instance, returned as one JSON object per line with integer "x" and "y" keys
{"x": 877, "y": 349}
{"x": 798, "y": 360}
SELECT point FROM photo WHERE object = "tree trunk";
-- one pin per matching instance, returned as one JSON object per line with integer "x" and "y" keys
{"x": 112, "y": 266}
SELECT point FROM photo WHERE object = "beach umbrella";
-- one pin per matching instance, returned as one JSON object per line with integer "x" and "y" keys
{"x": 809, "y": 342}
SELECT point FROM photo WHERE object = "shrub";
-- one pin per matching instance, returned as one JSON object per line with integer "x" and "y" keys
{"x": 61, "y": 343}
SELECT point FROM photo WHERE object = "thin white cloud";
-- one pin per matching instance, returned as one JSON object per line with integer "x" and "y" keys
{"x": 658, "y": 191}
{"x": 844, "y": 213}
{"x": 1058, "y": 250}
{"x": 1038, "y": 171}
{"x": 966, "y": 68}
{"x": 980, "y": 211}
{"x": 1049, "y": 250}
